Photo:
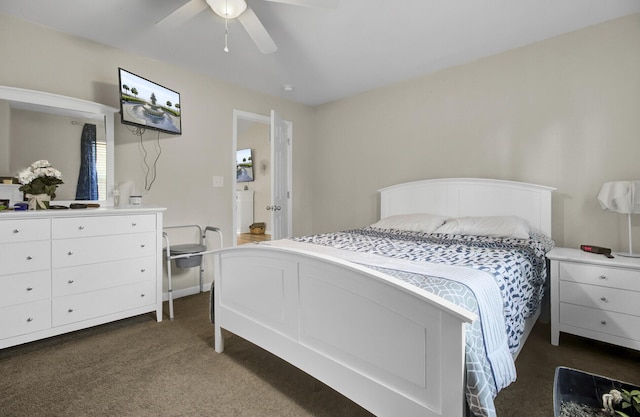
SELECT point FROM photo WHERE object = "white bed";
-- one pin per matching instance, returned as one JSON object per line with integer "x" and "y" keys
{"x": 389, "y": 346}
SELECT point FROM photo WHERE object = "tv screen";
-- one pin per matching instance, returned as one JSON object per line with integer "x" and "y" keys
{"x": 148, "y": 105}
{"x": 244, "y": 165}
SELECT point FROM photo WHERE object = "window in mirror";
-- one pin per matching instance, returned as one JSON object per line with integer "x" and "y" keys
{"x": 101, "y": 164}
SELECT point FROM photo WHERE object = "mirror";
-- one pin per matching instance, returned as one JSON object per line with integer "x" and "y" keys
{"x": 36, "y": 125}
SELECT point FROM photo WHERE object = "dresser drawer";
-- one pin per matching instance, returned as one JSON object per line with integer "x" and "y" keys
{"x": 600, "y": 275}
{"x": 102, "y": 226}
{"x": 25, "y": 318}
{"x": 90, "y": 250}
{"x": 24, "y": 230}
{"x": 605, "y": 298}
{"x": 24, "y": 257}
{"x": 84, "y": 278}
{"x": 24, "y": 288}
{"x": 608, "y": 322}
{"x": 78, "y": 307}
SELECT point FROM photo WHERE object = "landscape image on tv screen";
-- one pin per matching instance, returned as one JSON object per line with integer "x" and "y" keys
{"x": 244, "y": 165}
{"x": 149, "y": 105}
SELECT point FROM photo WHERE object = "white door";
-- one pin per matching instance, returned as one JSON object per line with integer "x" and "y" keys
{"x": 280, "y": 178}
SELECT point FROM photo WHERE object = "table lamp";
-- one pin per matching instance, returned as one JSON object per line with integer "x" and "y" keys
{"x": 621, "y": 197}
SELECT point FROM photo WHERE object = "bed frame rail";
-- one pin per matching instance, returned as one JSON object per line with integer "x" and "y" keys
{"x": 377, "y": 340}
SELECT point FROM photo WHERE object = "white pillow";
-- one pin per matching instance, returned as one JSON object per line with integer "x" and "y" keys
{"x": 495, "y": 226}
{"x": 418, "y": 222}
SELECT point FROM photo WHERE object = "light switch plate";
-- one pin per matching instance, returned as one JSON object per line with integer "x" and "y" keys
{"x": 218, "y": 181}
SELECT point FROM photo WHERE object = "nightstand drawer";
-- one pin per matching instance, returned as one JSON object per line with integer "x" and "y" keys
{"x": 604, "y": 298}
{"x": 626, "y": 279}
{"x": 616, "y": 324}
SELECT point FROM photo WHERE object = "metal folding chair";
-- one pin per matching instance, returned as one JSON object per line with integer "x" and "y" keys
{"x": 188, "y": 255}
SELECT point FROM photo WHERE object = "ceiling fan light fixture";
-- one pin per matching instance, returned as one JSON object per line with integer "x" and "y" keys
{"x": 228, "y": 9}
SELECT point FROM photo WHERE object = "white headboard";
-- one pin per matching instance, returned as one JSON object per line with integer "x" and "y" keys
{"x": 463, "y": 197}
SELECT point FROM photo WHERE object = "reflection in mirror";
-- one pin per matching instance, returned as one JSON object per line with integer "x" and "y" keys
{"x": 36, "y": 125}
{"x": 56, "y": 138}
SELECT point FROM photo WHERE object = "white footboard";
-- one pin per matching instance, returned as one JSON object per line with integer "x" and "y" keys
{"x": 392, "y": 348}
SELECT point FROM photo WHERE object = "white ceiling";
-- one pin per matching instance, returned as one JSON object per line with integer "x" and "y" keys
{"x": 327, "y": 54}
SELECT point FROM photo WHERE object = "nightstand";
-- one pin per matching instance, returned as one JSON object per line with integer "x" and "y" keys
{"x": 595, "y": 297}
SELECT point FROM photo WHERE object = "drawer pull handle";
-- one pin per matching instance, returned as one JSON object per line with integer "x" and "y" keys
{"x": 29, "y": 258}
{"x": 141, "y": 295}
{"x": 70, "y": 281}
{"x": 29, "y": 288}
{"x": 134, "y": 224}
{"x": 16, "y": 231}
{"x": 143, "y": 270}
{"x": 602, "y": 277}
{"x": 80, "y": 227}
{"x": 603, "y": 322}
{"x": 143, "y": 245}
{"x": 70, "y": 253}
{"x": 604, "y": 299}
{"x": 70, "y": 310}
{"x": 29, "y": 319}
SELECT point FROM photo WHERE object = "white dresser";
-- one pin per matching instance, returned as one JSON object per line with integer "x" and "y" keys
{"x": 595, "y": 297}
{"x": 65, "y": 270}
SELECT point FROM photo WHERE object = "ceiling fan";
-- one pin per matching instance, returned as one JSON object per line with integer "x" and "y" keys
{"x": 232, "y": 9}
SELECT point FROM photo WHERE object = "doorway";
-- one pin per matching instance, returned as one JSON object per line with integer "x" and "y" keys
{"x": 257, "y": 180}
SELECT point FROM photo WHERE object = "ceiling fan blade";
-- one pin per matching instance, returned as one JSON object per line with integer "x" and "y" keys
{"x": 326, "y": 4}
{"x": 184, "y": 13}
{"x": 257, "y": 32}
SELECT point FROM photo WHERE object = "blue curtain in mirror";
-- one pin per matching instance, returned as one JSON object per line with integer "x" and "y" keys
{"x": 87, "y": 188}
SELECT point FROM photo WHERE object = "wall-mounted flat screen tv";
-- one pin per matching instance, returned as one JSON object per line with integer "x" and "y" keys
{"x": 148, "y": 105}
{"x": 244, "y": 165}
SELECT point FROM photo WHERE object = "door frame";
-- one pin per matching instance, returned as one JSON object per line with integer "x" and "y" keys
{"x": 258, "y": 118}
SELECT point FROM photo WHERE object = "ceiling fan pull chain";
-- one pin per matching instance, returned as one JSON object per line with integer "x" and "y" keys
{"x": 226, "y": 35}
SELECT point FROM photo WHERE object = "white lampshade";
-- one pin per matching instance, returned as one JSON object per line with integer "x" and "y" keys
{"x": 229, "y": 9}
{"x": 621, "y": 197}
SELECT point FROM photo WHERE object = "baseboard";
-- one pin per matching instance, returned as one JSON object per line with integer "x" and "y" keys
{"x": 184, "y": 292}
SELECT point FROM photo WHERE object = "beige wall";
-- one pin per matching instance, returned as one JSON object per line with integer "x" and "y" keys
{"x": 564, "y": 112}
{"x": 41, "y": 59}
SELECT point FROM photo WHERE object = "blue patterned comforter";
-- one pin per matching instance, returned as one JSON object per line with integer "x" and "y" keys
{"x": 518, "y": 269}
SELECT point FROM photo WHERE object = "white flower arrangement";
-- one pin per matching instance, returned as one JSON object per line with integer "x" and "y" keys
{"x": 40, "y": 178}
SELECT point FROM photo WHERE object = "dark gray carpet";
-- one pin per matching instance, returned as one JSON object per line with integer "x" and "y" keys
{"x": 137, "y": 367}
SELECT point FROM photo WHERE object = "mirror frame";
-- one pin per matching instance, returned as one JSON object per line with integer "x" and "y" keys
{"x": 68, "y": 106}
